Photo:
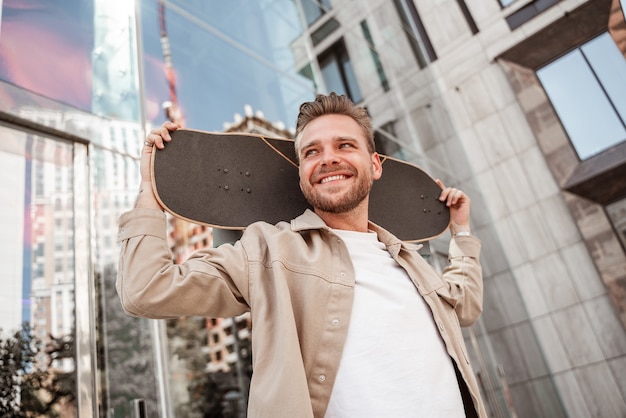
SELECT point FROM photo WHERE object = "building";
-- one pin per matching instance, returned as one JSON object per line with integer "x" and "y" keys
{"x": 519, "y": 102}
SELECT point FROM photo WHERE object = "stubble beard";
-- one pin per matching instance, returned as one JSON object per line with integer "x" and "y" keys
{"x": 331, "y": 204}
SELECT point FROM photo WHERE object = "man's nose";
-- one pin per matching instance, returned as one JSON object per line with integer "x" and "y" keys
{"x": 329, "y": 156}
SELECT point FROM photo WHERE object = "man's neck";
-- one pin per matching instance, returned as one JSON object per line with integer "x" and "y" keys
{"x": 354, "y": 220}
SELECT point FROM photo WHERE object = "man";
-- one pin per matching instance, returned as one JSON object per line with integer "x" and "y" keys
{"x": 348, "y": 320}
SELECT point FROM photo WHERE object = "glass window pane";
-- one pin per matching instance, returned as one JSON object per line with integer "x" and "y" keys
{"x": 338, "y": 73}
{"x": 43, "y": 42}
{"x": 37, "y": 321}
{"x": 353, "y": 85}
{"x": 610, "y": 66}
{"x": 583, "y": 108}
{"x": 126, "y": 366}
{"x": 225, "y": 55}
{"x": 332, "y": 76}
{"x": 312, "y": 11}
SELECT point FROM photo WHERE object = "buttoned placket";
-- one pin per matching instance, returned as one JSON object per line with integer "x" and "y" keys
{"x": 328, "y": 359}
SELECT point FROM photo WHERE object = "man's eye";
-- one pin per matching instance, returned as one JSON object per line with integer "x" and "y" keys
{"x": 309, "y": 152}
{"x": 346, "y": 145}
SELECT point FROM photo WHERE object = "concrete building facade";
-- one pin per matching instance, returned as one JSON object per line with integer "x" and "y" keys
{"x": 519, "y": 102}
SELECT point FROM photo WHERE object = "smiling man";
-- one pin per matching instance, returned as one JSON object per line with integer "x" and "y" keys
{"x": 337, "y": 169}
{"x": 348, "y": 321}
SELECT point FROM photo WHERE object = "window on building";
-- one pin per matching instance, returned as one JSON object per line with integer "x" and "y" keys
{"x": 415, "y": 32}
{"x": 314, "y": 9}
{"x": 58, "y": 265}
{"x": 505, "y": 3}
{"x": 587, "y": 88}
{"x": 383, "y": 139}
{"x": 375, "y": 57}
{"x": 468, "y": 16}
{"x": 325, "y": 29}
{"x": 338, "y": 73}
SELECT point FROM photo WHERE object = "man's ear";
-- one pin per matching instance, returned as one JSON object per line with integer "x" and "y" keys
{"x": 377, "y": 166}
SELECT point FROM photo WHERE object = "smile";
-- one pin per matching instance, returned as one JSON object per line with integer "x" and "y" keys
{"x": 332, "y": 178}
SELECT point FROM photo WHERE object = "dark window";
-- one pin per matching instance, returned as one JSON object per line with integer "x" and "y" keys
{"x": 526, "y": 13}
{"x": 314, "y": 9}
{"x": 338, "y": 73}
{"x": 468, "y": 16}
{"x": 324, "y": 30}
{"x": 587, "y": 88}
{"x": 379, "y": 66}
{"x": 383, "y": 139}
{"x": 415, "y": 32}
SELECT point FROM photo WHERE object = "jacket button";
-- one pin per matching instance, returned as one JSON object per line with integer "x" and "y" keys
{"x": 335, "y": 321}
{"x": 322, "y": 378}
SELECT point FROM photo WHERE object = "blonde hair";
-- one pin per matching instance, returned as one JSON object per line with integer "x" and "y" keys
{"x": 334, "y": 104}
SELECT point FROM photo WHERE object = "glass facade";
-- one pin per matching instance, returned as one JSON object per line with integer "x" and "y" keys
{"x": 85, "y": 112}
{"x": 37, "y": 303}
{"x": 49, "y": 31}
{"x": 225, "y": 56}
{"x": 80, "y": 84}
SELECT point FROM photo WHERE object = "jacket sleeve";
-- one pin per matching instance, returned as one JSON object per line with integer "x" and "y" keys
{"x": 212, "y": 282}
{"x": 464, "y": 278}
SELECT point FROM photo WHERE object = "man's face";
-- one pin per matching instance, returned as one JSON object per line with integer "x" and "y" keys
{"x": 336, "y": 169}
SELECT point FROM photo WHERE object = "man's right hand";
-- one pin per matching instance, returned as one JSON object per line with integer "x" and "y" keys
{"x": 157, "y": 137}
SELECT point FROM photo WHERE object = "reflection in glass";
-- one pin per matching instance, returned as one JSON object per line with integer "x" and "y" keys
{"x": 114, "y": 61}
{"x": 587, "y": 88}
{"x": 37, "y": 323}
{"x": 221, "y": 64}
{"x": 58, "y": 38}
{"x": 126, "y": 369}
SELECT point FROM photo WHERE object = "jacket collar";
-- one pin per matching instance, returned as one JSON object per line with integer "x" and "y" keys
{"x": 310, "y": 220}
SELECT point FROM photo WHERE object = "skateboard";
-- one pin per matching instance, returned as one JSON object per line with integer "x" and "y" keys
{"x": 230, "y": 180}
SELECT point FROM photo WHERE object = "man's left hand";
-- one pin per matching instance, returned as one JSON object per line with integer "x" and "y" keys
{"x": 459, "y": 204}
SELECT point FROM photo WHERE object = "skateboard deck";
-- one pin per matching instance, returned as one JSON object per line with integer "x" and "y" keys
{"x": 230, "y": 180}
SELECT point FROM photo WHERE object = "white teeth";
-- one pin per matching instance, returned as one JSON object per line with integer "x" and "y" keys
{"x": 332, "y": 178}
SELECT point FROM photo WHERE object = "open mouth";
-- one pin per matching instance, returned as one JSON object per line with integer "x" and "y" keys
{"x": 333, "y": 178}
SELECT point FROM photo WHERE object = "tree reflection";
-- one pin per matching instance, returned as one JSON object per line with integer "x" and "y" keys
{"x": 211, "y": 394}
{"x": 31, "y": 387}
{"x": 125, "y": 353}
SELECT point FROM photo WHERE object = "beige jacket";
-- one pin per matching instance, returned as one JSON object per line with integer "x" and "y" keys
{"x": 297, "y": 281}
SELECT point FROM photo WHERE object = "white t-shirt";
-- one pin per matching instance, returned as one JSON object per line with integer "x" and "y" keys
{"x": 394, "y": 363}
